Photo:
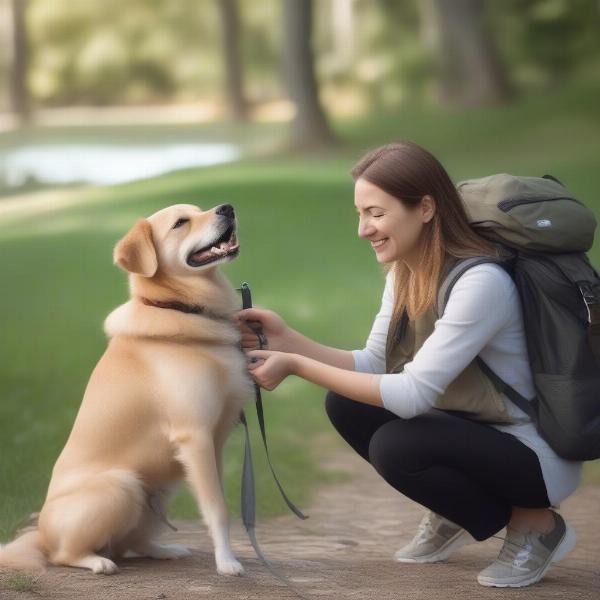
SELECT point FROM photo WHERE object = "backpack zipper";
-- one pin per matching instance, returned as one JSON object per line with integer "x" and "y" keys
{"x": 506, "y": 205}
{"x": 590, "y": 300}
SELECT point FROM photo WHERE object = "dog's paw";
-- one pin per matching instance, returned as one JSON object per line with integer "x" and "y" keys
{"x": 229, "y": 566}
{"x": 104, "y": 566}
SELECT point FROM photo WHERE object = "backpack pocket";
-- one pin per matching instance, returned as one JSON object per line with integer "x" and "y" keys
{"x": 549, "y": 224}
{"x": 569, "y": 414}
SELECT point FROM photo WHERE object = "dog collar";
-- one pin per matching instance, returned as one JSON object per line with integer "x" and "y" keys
{"x": 196, "y": 309}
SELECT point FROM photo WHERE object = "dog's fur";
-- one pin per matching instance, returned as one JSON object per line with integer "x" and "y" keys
{"x": 158, "y": 407}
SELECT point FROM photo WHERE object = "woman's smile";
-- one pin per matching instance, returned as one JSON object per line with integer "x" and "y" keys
{"x": 377, "y": 244}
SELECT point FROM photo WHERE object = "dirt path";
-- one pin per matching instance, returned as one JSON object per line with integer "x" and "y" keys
{"x": 342, "y": 551}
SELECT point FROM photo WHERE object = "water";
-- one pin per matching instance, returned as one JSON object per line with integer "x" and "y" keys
{"x": 105, "y": 164}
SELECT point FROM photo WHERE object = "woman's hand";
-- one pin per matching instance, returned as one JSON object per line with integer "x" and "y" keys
{"x": 273, "y": 326}
{"x": 271, "y": 368}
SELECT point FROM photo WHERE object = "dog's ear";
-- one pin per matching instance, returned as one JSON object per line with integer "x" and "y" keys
{"x": 136, "y": 252}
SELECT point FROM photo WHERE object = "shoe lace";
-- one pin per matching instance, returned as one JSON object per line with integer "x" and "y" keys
{"x": 516, "y": 548}
{"x": 425, "y": 529}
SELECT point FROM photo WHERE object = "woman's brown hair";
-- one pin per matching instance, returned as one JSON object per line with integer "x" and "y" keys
{"x": 408, "y": 172}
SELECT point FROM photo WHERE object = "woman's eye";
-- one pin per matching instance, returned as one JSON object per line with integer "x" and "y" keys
{"x": 372, "y": 215}
{"x": 179, "y": 223}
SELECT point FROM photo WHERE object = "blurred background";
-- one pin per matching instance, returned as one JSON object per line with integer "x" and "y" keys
{"x": 112, "y": 110}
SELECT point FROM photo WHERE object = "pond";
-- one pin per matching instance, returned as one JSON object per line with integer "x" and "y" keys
{"x": 63, "y": 164}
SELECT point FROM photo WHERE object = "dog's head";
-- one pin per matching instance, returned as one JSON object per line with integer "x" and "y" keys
{"x": 179, "y": 240}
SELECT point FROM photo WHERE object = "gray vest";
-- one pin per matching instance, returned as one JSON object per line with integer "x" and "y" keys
{"x": 471, "y": 394}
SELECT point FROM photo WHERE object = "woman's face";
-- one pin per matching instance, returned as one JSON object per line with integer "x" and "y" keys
{"x": 392, "y": 229}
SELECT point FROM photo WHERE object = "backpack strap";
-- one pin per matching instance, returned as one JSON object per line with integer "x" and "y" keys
{"x": 455, "y": 272}
{"x": 527, "y": 406}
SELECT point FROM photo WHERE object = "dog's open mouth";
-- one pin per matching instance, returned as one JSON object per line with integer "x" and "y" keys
{"x": 226, "y": 245}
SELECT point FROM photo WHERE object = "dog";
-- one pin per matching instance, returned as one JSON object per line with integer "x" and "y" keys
{"x": 158, "y": 407}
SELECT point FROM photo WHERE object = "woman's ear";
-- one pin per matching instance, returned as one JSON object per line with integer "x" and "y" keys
{"x": 136, "y": 253}
{"x": 428, "y": 208}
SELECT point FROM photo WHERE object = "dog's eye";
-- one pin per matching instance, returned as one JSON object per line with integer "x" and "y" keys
{"x": 179, "y": 223}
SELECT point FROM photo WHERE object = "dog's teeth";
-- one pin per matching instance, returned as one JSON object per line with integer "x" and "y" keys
{"x": 220, "y": 249}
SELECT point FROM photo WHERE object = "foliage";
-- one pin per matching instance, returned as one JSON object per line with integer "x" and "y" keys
{"x": 161, "y": 50}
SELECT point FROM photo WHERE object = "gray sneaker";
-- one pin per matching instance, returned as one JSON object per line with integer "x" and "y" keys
{"x": 525, "y": 557}
{"x": 436, "y": 539}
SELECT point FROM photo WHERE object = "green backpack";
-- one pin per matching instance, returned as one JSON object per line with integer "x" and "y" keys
{"x": 543, "y": 233}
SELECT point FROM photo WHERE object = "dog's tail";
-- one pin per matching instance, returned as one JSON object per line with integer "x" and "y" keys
{"x": 25, "y": 552}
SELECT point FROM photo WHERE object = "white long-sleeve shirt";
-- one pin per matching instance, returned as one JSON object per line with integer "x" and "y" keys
{"x": 482, "y": 316}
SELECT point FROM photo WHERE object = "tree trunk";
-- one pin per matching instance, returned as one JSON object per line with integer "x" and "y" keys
{"x": 310, "y": 127}
{"x": 5, "y": 53}
{"x": 20, "y": 101}
{"x": 470, "y": 71}
{"x": 342, "y": 32}
{"x": 230, "y": 23}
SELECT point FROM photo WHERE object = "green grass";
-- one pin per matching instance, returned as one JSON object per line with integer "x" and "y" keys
{"x": 300, "y": 254}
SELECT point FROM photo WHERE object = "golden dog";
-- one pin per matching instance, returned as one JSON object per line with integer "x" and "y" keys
{"x": 158, "y": 407}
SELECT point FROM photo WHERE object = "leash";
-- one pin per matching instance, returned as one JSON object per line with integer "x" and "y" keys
{"x": 247, "y": 303}
{"x": 248, "y": 499}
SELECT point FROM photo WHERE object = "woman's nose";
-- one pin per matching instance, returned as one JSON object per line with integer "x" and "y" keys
{"x": 366, "y": 230}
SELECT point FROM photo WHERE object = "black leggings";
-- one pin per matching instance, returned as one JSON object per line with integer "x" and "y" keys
{"x": 461, "y": 469}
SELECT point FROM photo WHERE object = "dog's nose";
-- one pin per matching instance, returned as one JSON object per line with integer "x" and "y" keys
{"x": 226, "y": 210}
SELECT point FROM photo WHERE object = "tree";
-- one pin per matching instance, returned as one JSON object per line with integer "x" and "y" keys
{"x": 230, "y": 21}
{"x": 469, "y": 70}
{"x": 20, "y": 100}
{"x": 310, "y": 127}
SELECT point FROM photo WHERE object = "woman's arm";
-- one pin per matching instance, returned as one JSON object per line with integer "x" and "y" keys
{"x": 300, "y": 344}
{"x": 362, "y": 387}
{"x": 464, "y": 329}
{"x": 352, "y": 373}
{"x": 283, "y": 338}
{"x": 370, "y": 359}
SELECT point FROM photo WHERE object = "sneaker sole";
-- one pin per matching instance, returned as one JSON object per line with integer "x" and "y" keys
{"x": 462, "y": 538}
{"x": 566, "y": 544}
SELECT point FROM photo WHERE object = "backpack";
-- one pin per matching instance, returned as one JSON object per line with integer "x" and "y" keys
{"x": 543, "y": 233}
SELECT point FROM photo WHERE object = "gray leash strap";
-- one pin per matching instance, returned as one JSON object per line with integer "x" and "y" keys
{"x": 262, "y": 341}
{"x": 248, "y": 494}
{"x": 249, "y": 511}
{"x": 156, "y": 507}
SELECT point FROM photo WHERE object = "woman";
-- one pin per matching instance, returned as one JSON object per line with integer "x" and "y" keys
{"x": 474, "y": 477}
